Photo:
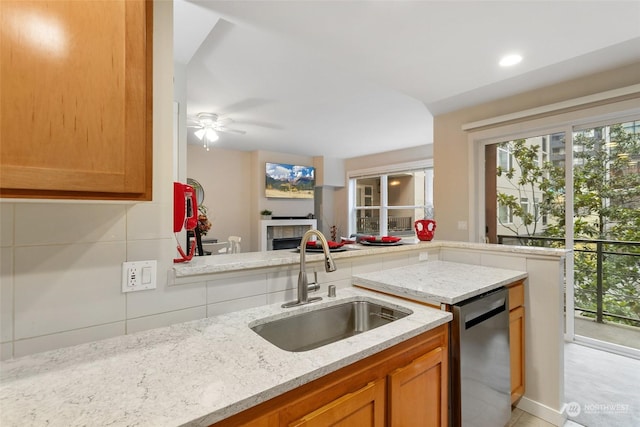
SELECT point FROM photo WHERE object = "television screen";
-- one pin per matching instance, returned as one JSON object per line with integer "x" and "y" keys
{"x": 289, "y": 181}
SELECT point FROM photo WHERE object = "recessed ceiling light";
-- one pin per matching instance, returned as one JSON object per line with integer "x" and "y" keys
{"x": 510, "y": 60}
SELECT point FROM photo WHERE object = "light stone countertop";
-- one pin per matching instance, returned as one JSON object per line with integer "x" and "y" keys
{"x": 193, "y": 373}
{"x": 248, "y": 260}
{"x": 438, "y": 282}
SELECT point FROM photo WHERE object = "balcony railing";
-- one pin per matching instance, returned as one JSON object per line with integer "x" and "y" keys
{"x": 395, "y": 224}
{"x": 606, "y": 275}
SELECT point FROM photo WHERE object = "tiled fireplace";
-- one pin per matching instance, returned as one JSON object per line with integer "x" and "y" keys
{"x": 283, "y": 233}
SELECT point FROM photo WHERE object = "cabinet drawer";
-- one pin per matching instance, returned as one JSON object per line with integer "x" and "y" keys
{"x": 516, "y": 295}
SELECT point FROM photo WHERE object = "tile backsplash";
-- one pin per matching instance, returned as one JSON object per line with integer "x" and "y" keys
{"x": 61, "y": 283}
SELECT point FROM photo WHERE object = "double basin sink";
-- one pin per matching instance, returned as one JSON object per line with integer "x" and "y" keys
{"x": 325, "y": 325}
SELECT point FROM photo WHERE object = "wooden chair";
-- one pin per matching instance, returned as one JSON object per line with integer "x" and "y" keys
{"x": 217, "y": 248}
{"x": 234, "y": 244}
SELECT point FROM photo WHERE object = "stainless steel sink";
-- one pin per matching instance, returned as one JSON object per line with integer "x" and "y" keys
{"x": 316, "y": 328}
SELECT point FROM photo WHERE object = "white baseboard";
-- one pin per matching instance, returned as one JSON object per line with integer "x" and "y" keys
{"x": 550, "y": 415}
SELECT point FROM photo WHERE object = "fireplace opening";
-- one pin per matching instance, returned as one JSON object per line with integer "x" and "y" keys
{"x": 286, "y": 243}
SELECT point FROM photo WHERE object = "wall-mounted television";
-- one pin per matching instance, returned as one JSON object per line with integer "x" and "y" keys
{"x": 284, "y": 181}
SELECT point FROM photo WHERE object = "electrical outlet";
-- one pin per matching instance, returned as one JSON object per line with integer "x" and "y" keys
{"x": 138, "y": 275}
{"x": 423, "y": 256}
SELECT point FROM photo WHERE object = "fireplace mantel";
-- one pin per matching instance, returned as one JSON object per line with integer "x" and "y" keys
{"x": 269, "y": 227}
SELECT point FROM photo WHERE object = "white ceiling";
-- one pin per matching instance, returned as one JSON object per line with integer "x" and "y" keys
{"x": 349, "y": 78}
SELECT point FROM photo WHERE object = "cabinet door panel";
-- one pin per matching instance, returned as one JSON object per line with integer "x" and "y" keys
{"x": 365, "y": 407}
{"x": 516, "y": 295}
{"x": 516, "y": 345}
{"x": 417, "y": 393}
{"x": 76, "y": 98}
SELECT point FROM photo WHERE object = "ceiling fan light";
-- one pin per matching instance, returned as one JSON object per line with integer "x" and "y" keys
{"x": 199, "y": 134}
{"x": 211, "y": 135}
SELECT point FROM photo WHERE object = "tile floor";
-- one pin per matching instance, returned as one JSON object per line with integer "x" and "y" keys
{"x": 602, "y": 386}
{"x": 594, "y": 376}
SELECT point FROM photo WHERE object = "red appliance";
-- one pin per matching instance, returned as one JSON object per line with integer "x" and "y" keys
{"x": 185, "y": 215}
{"x": 425, "y": 229}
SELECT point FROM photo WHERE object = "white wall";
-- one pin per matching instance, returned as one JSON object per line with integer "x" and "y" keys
{"x": 225, "y": 177}
{"x": 454, "y": 182}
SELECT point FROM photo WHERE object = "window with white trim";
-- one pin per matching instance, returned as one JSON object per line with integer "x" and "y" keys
{"x": 389, "y": 202}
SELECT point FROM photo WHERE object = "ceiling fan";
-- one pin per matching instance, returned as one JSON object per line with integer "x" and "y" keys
{"x": 208, "y": 125}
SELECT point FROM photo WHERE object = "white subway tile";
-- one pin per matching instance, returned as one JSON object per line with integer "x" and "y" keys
{"x": 281, "y": 280}
{"x": 51, "y": 223}
{"x": 235, "y": 305}
{"x": 165, "y": 319}
{"x": 455, "y": 255}
{"x": 504, "y": 261}
{"x": 6, "y": 294}
{"x": 6, "y": 224}
{"x": 64, "y": 287}
{"x": 343, "y": 271}
{"x": 237, "y": 287}
{"x": 67, "y": 338}
{"x": 282, "y": 296}
{"x": 6, "y": 351}
{"x": 395, "y": 261}
{"x": 367, "y": 264}
{"x": 150, "y": 221}
{"x": 339, "y": 284}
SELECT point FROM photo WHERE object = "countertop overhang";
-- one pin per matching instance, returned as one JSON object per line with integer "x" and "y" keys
{"x": 438, "y": 282}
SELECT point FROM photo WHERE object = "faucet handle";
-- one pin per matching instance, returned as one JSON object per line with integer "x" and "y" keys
{"x": 314, "y": 286}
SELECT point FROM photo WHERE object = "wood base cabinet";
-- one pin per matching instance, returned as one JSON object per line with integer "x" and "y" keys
{"x": 412, "y": 386}
{"x": 516, "y": 339}
{"x": 405, "y": 385}
{"x": 365, "y": 407}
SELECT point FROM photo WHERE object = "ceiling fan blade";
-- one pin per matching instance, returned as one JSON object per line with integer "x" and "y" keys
{"x": 225, "y": 130}
{"x": 259, "y": 123}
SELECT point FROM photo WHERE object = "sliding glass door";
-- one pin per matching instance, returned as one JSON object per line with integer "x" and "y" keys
{"x": 578, "y": 189}
{"x": 606, "y": 199}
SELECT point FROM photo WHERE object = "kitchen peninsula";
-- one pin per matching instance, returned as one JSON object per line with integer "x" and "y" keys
{"x": 201, "y": 372}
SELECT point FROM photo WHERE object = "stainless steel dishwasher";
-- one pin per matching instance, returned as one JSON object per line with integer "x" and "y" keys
{"x": 480, "y": 361}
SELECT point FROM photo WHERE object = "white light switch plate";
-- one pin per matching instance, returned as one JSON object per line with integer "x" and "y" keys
{"x": 139, "y": 275}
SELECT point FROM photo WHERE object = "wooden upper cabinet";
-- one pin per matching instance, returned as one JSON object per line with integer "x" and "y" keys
{"x": 76, "y": 99}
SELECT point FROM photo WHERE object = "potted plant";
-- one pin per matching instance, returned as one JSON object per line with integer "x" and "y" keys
{"x": 266, "y": 214}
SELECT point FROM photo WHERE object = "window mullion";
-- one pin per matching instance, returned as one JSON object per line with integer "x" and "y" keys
{"x": 384, "y": 205}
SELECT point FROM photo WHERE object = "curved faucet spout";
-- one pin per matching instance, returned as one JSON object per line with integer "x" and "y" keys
{"x": 303, "y": 285}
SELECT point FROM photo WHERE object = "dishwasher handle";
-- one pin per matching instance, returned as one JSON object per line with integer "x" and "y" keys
{"x": 468, "y": 324}
{"x": 494, "y": 309}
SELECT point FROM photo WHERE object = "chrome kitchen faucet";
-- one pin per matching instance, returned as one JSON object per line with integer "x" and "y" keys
{"x": 303, "y": 285}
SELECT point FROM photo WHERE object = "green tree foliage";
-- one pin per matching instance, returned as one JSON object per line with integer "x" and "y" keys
{"x": 537, "y": 182}
{"x": 606, "y": 186}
